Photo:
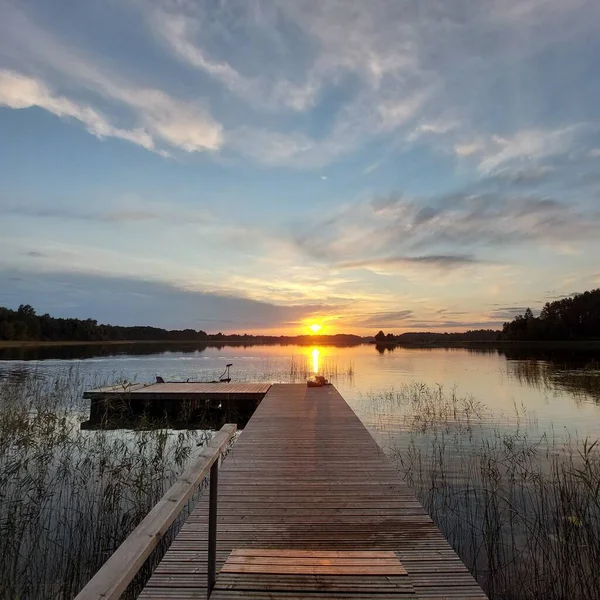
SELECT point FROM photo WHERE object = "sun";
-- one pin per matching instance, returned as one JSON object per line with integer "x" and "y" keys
{"x": 315, "y": 327}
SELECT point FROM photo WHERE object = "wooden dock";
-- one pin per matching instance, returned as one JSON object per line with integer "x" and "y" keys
{"x": 179, "y": 401}
{"x": 310, "y": 507}
{"x": 179, "y": 390}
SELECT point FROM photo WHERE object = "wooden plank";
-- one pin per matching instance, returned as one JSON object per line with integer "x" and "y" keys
{"x": 298, "y": 562}
{"x": 117, "y": 573}
{"x": 289, "y": 569}
{"x": 326, "y": 562}
{"x": 378, "y": 554}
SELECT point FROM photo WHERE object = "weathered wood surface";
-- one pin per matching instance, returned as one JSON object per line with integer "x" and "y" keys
{"x": 309, "y": 572}
{"x": 308, "y": 562}
{"x": 178, "y": 389}
{"x": 119, "y": 570}
{"x": 117, "y": 388}
{"x": 306, "y": 475}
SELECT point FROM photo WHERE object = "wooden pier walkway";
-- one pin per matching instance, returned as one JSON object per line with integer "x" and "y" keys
{"x": 310, "y": 507}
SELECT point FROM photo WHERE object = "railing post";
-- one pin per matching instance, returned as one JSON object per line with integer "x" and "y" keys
{"x": 212, "y": 527}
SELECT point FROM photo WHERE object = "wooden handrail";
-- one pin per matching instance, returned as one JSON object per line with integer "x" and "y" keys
{"x": 119, "y": 570}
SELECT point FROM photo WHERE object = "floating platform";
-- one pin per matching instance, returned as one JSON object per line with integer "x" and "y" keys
{"x": 184, "y": 403}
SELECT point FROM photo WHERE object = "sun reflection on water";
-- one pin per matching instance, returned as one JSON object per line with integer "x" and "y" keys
{"x": 315, "y": 357}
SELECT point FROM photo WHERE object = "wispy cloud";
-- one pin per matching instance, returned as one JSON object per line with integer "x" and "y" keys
{"x": 524, "y": 145}
{"x": 383, "y": 319}
{"x": 395, "y": 227}
{"x": 391, "y": 68}
{"x": 158, "y": 117}
{"x": 125, "y": 210}
{"x": 178, "y": 30}
{"x": 19, "y": 92}
{"x": 447, "y": 261}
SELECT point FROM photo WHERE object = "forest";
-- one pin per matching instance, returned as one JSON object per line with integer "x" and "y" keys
{"x": 24, "y": 324}
{"x": 427, "y": 337}
{"x": 576, "y": 317}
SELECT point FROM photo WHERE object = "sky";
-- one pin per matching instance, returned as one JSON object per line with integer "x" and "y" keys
{"x": 257, "y": 166}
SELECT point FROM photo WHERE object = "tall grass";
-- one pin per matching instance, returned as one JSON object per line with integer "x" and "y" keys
{"x": 301, "y": 368}
{"x": 68, "y": 498}
{"x": 521, "y": 510}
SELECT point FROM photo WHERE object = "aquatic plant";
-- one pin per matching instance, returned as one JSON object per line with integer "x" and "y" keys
{"x": 521, "y": 510}
{"x": 68, "y": 498}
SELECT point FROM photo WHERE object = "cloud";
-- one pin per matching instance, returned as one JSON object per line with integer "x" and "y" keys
{"x": 363, "y": 71}
{"x": 130, "y": 301}
{"x": 18, "y": 91}
{"x": 286, "y": 149}
{"x": 468, "y": 149}
{"x": 396, "y": 228}
{"x": 526, "y": 145}
{"x": 126, "y": 210}
{"x": 454, "y": 325}
{"x": 436, "y": 261}
{"x": 552, "y": 295}
{"x": 178, "y": 30}
{"x": 158, "y": 117}
{"x": 383, "y": 319}
{"x": 433, "y": 127}
{"x": 507, "y": 313}
{"x": 309, "y": 53}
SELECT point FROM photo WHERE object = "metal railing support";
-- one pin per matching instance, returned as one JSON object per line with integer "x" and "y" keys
{"x": 212, "y": 527}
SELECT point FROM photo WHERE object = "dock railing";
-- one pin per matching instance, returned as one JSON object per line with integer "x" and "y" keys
{"x": 119, "y": 570}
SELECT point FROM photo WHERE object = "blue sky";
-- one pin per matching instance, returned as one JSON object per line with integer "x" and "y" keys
{"x": 258, "y": 165}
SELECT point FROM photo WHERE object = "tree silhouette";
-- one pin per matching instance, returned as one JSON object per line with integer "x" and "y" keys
{"x": 576, "y": 317}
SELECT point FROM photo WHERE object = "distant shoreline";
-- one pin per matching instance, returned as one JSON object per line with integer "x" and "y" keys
{"x": 46, "y": 344}
{"x": 449, "y": 344}
{"x": 494, "y": 344}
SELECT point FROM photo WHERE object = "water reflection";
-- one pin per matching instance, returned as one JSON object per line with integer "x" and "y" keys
{"x": 582, "y": 384}
{"x": 315, "y": 358}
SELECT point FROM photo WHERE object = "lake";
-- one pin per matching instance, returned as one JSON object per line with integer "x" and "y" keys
{"x": 497, "y": 444}
{"x": 557, "y": 389}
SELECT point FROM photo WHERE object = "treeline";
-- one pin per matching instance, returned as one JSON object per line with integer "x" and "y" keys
{"x": 573, "y": 318}
{"x": 24, "y": 324}
{"x": 420, "y": 338}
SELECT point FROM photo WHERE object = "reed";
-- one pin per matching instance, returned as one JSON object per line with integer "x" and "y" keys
{"x": 301, "y": 368}
{"x": 69, "y": 497}
{"x": 521, "y": 510}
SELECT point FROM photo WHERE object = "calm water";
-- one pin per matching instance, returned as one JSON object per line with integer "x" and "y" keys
{"x": 553, "y": 390}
